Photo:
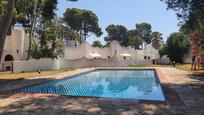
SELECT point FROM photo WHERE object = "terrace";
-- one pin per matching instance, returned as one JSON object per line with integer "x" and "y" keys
{"x": 183, "y": 91}
{"x": 102, "y": 57}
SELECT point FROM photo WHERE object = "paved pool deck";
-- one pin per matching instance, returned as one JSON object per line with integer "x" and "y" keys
{"x": 184, "y": 91}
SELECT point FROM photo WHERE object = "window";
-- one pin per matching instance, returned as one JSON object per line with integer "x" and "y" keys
{"x": 149, "y": 58}
{"x": 145, "y": 57}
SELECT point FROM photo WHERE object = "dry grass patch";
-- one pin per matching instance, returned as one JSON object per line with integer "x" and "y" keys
{"x": 186, "y": 67}
{"x": 30, "y": 74}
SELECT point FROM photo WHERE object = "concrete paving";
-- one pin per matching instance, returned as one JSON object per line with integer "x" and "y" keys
{"x": 184, "y": 91}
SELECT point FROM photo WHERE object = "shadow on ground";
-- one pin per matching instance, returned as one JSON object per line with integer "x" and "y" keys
{"x": 197, "y": 75}
{"x": 10, "y": 86}
{"x": 186, "y": 98}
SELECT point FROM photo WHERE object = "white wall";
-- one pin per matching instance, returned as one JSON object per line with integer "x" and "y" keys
{"x": 85, "y": 50}
{"x": 17, "y": 41}
{"x": 74, "y": 57}
{"x": 84, "y": 62}
{"x": 16, "y": 45}
{"x": 77, "y": 57}
{"x": 50, "y": 64}
{"x": 35, "y": 65}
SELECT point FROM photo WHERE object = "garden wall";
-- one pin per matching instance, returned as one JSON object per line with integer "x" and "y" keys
{"x": 84, "y": 62}
{"x": 35, "y": 65}
{"x": 50, "y": 64}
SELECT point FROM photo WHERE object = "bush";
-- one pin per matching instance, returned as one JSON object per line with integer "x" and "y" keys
{"x": 45, "y": 52}
{"x": 177, "y": 45}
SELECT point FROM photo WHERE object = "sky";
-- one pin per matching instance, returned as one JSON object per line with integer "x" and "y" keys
{"x": 127, "y": 13}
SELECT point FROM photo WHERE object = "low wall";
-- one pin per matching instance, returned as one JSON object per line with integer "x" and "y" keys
{"x": 6, "y": 66}
{"x": 35, "y": 65}
{"x": 48, "y": 64}
{"x": 162, "y": 61}
{"x": 84, "y": 62}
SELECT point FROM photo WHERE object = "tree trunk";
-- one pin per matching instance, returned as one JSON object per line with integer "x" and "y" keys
{"x": 5, "y": 23}
{"x": 202, "y": 49}
{"x": 31, "y": 33}
{"x": 81, "y": 37}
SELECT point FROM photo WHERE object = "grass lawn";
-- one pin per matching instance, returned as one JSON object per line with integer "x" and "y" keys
{"x": 30, "y": 74}
{"x": 186, "y": 67}
{"x": 150, "y": 65}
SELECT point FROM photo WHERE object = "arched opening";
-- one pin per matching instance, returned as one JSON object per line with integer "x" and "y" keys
{"x": 8, "y": 64}
{"x": 9, "y": 58}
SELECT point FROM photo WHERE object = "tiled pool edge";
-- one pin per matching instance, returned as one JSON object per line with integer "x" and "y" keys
{"x": 63, "y": 75}
{"x": 171, "y": 95}
{"x": 161, "y": 77}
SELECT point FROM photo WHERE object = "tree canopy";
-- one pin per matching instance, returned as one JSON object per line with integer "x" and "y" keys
{"x": 145, "y": 31}
{"x": 3, "y": 4}
{"x": 30, "y": 14}
{"x": 190, "y": 12}
{"x": 191, "y": 15}
{"x": 156, "y": 35}
{"x": 176, "y": 46}
{"x": 118, "y": 33}
{"x": 82, "y": 22}
{"x": 134, "y": 38}
{"x": 156, "y": 39}
{"x": 97, "y": 44}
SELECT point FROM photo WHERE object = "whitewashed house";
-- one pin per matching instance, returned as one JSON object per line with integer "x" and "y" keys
{"x": 15, "y": 48}
{"x": 75, "y": 55}
{"x": 72, "y": 52}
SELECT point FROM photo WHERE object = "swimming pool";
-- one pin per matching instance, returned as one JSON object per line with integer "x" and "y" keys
{"x": 138, "y": 84}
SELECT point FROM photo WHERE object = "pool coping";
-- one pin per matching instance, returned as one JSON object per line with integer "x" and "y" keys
{"x": 65, "y": 75}
{"x": 159, "y": 75}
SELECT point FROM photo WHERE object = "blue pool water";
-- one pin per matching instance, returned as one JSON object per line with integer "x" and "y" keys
{"x": 125, "y": 84}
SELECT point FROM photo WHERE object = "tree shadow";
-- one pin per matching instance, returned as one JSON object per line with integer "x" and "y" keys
{"x": 74, "y": 105}
{"x": 182, "y": 98}
{"x": 8, "y": 86}
{"x": 31, "y": 104}
{"x": 199, "y": 75}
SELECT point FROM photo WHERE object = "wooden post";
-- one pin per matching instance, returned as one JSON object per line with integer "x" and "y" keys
{"x": 2, "y": 66}
{"x": 12, "y": 67}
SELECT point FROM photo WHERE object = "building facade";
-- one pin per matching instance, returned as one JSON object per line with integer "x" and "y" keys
{"x": 113, "y": 50}
{"x": 15, "y": 48}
